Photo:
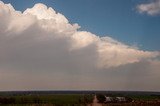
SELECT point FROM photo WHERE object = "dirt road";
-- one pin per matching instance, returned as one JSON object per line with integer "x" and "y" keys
{"x": 95, "y": 102}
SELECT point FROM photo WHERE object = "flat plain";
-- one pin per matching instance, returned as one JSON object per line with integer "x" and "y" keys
{"x": 78, "y": 98}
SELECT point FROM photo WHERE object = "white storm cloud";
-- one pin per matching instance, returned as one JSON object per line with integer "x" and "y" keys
{"x": 151, "y": 8}
{"x": 41, "y": 44}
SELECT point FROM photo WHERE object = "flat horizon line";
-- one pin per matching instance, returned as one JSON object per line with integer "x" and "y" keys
{"x": 78, "y": 91}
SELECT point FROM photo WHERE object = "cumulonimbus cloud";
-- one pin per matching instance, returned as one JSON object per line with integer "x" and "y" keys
{"x": 151, "y": 8}
{"x": 41, "y": 40}
{"x": 40, "y": 24}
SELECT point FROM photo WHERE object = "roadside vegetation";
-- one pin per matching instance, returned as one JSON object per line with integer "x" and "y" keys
{"x": 47, "y": 100}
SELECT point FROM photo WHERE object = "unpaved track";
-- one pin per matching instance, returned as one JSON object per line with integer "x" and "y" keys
{"x": 95, "y": 102}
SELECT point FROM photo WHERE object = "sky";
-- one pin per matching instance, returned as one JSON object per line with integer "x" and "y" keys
{"x": 114, "y": 18}
{"x": 79, "y": 45}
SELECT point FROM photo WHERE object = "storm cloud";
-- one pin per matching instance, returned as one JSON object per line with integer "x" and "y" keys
{"x": 41, "y": 49}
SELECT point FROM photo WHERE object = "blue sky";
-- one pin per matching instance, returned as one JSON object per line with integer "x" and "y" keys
{"x": 115, "y": 18}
